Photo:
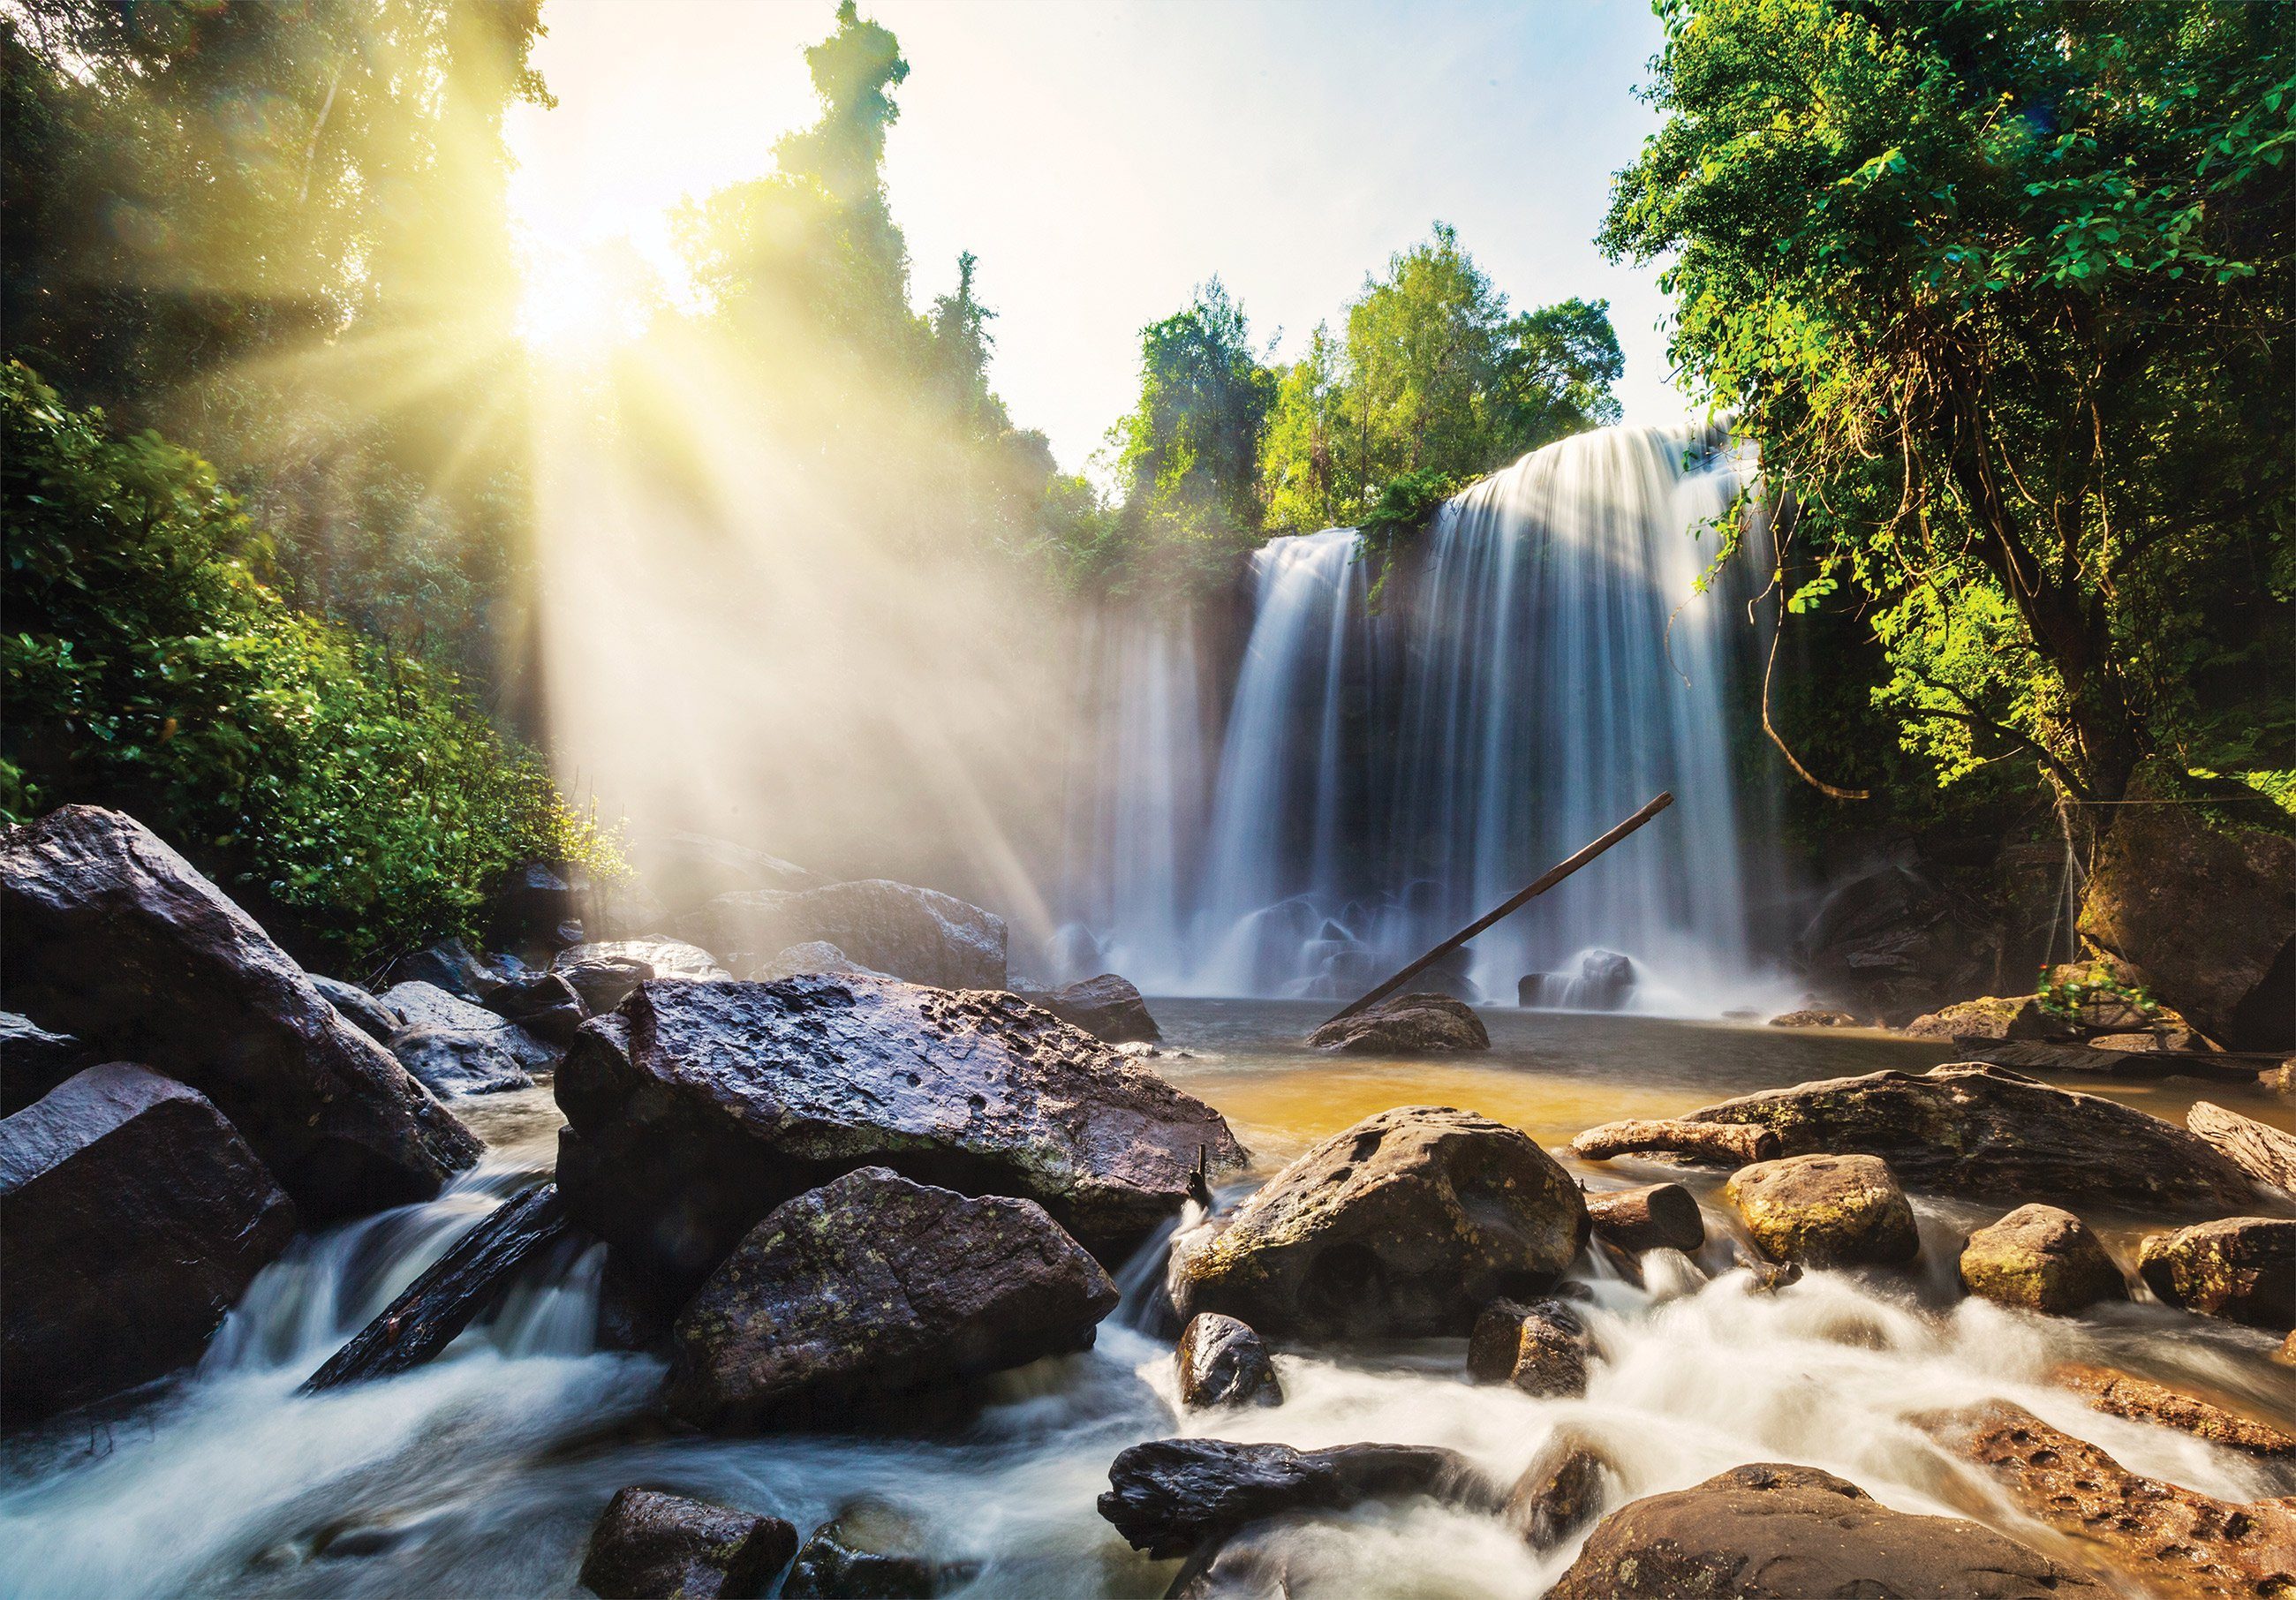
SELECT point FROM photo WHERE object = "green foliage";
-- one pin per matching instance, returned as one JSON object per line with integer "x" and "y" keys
{"x": 148, "y": 667}
{"x": 2000, "y": 287}
{"x": 2066, "y": 998}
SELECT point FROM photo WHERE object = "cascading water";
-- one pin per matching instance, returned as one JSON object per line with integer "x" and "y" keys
{"x": 1543, "y": 664}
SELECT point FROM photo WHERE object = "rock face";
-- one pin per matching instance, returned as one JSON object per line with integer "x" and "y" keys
{"x": 2040, "y": 1258}
{"x": 135, "y": 1217}
{"x": 1817, "y": 1016}
{"x": 2178, "y": 1541}
{"x": 1989, "y": 1017}
{"x": 649, "y": 1546}
{"x": 1222, "y": 1362}
{"x": 872, "y": 1286}
{"x": 2140, "y": 1400}
{"x": 920, "y": 935}
{"x": 33, "y": 1061}
{"x": 1988, "y": 1133}
{"x": 544, "y": 1003}
{"x": 2242, "y": 1267}
{"x": 1826, "y": 1210}
{"x": 1107, "y": 1007}
{"x": 1541, "y": 1349}
{"x": 1407, "y": 1224}
{"x": 1171, "y": 1496}
{"x": 1771, "y": 1532}
{"x": 362, "y": 1010}
{"x": 1894, "y": 944}
{"x": 701, "y": 1107}
{"x": 2204, "y": 907}
{"x": 1658, "y": 1217}
{"x": 1405, "y": 1025}
{"x": 107, "y": 933}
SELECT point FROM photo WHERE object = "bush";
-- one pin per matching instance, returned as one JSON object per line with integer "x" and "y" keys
{"x": 148, "y": 667}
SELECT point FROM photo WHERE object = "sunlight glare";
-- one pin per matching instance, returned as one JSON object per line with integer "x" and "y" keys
{"x": 581, "y": 302}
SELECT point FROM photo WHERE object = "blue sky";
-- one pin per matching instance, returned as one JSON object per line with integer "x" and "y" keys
{"x": 1101, "y": 159}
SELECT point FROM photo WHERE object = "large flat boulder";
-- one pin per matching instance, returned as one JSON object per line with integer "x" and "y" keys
{"x": 872, "y": 1287}
{"x": 1421, "y": 1024}
{"x": 135, "y": 1217}
{"x": 701, "y": 1107}
{"x": 1777, "y": 1532}
{"x": 1989, "y": 1133}
{"x": 919, "y": 935}
{"x": 1407, "y": 1224}
{"x": 107, "y": 933}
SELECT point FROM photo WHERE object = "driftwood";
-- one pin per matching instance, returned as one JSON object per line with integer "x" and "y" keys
{"x": 1538, "y": 886}
{"x": 2264, "y": 1152}
{"x": 1664, "y": 1216}
{"x": 1711, "y": 1144}
{"x": 2035, "y": 1055}
{"x": 447, "y": 1298}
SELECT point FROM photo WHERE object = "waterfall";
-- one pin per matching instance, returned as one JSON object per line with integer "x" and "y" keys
{"x": 1543, "y": 661}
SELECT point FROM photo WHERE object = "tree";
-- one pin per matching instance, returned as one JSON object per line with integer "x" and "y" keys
{"x": 2001, "y": 290}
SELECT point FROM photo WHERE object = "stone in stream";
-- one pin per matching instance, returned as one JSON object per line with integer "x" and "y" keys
{"x": 450, "y": 1294}
{"x": 135, "y": 1217}
{"x": 1173, "y": 1497}
{"x": 1658, "y": 1217}
{"x": 1814, "y": 1016}
{"x": 1222, "y": 1362}
{"x": 918, "y": 935}
{"x": 701, "y": 1107}
{"x": 2266, "y": 1153}
{"x": 450, "y": 966}
{"x": 1557, "y": 1495}
{"x": 1826, "y": 1210}
{"x": 451, "y": 1062}
{"x": 1108, "y": 1007}
{"x": 650, "y": 1546}
{"x": 1770, "y": 1532}
{"x": 427, "y": 1005}
{"x": 1988, "y": 1017}
{"x": 33, "y": 1061}
{"x": 872, "y": 1547}
{"x": 2140, "y": 1400}
{"x": 662, "y": 958}
{"x": 109, "y": 934}
{"x": 366, "y": 1011}
{"x": 873, "y": 1288}
{"x": 2040, "y": 1258}
{"x": 2242, "y": 1268}
{"x": 1405, "y": 1025}
{"x": 1405, "y": 1225}
{"x": 1984, "y": 1133}
{"x": 544, "y": 1003}
{"x": 1542, "y": 1348}
{"x": 814, "y": 955}
{"x": 2176, "y": 1541}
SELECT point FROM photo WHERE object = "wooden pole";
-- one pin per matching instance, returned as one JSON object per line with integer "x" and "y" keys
{"x": 1546, "y": 880}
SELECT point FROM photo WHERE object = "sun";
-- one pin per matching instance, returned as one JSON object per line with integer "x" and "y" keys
{"x": 580, "y": 302}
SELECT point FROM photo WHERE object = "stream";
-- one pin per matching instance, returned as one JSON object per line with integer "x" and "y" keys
{"x": 481, "y": 1473}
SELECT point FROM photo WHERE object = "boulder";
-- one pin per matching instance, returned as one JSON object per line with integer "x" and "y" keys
{"x": 1892, "y": 942}
{"x": 2040, "y": 1258}
{"x": 540, "y": 902}
{"x": 362, "y": 1010}
{"x": 33, "y": 1061}
{"x": 1408, "y": 1223}
{"x": 107, "y": 933}
{"x": 1107, "y": 1007}
{"x": 489, "y": 1037}
{"x": 1987, "y": 1133}
{"x": 1407, "y": 1025}
{"x": 2202, "y": 900}
{"x": 1558, "y": 1494}
{"x": 872, "y": 1287}
{"x": 135, "y": 1217}
{"x": 451, "y": 965}
{"x": 2173, "y": 1540}
{"x": 815, "y": 955}
{"x": 701, "y": 1107}
{"x": 2140, "y": 1400}
{"x": 2265, "y": 1153}
{"x": 452, "y": 1062}
{"x": 544, "y": 1003}
{"x": 1817, "y": 1016}
{"x": 663, "y": 958}
{"x": 2242, "y": 1268}
{"x": 920, "y": 935}
{"x": 872, "y": 1547}
{"x": 1222, "y": 1362}
{"x": 1706, "y": 1144}
{"x": 1542, "y": 1348}
{"x": 1659, "y": 1217}
{"x": 1826, "y": 1210}
{"x": 684, "y": 870}
{"x": 1988, "y": 1017}
{"x": 604, "y": 984}
{"x": 650, "y": 1546}
{"x": 1172, "y": 1497}
{"x": 1775, "y": 1532}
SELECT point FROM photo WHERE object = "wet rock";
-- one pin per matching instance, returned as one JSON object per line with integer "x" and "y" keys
{"x": 1557, "y": 1495}
{"x": 2040, "y": 1258}
{"x": 1605, "y": 979}
{"x": 1407, "y": 1224}
{"x": 1405, "y": 1025}
{"x": 602, "y": 985}
{"x": 1659, "y": 1217}
{"x": 872, "y": 1286}
{"x": 1261, "y": 1562}
{"x": 871, "y": 1549}
{"x": 1171, "y": 1496}
{"x": 2264, "y": 1152}
{"x": 2140, "y": 1400}
{"x": 451, "y": 1063}
{"x": 33, "y": 1061}
{"x": 1987, "y": 1133}
{"x": 2242, "y": 1268}
{"x": 1107, "y": 1007}
{"x": 684, "y": 870}
{"x": 919, "y": 935}
{"x": 650, "y": 1546}
{"x": 1542, "y": 1348}
{"x": 540, "y": 902}
{"x": 1776, "y": 1532}
{"x": 450, "y": 966}
{"x": 1826, "y": 1210}
{"x": 107, "y": 933}
{"x": 1989, "y": 1017}
{"x": 544, "y": 1003}
{"x": 491, "y": 1037}
{"x": 667, "y": 958}
{"x": 1707, "y": 1143}
{"x": 701, "y": 1107}
{"x": 1892, "y": 942}
{"x": 818, "y": 955}
{"x": 2174, "y": 1541}
{"x": 2286, "y": 1354}
{"x": 1816, "y": 1016}
{"x": 363, "y": 1011}
{"x": 1222, "y": 1362}
{"x": 135, "y": 1217}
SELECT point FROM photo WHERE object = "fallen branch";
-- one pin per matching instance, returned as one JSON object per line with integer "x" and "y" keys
{"x": 1713, "y": 1144}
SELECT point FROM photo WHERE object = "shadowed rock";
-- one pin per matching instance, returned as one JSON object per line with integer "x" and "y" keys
{"x": 604, "y": 972}
{"x": 649, "y": 1546}
{"x": 1557, "y": 1495}
{"x": 1542, "y": 1348}
{"x": 2240, "y": 1268}
{"x": 872, "y": 1547}
{"x": 2039, "y": 1257}
{"x": 1222, "y": 1362}
{"x": 33, "y": 1061}
{"x": 451, "y": 1062}
{"x": 1826, "y": 1210}
{"x": 363, "y": 1011}
{"x": 1659, "y": 1217}
{"x": 1407, "y": 1025}
{"x": 2266, "y": 1153}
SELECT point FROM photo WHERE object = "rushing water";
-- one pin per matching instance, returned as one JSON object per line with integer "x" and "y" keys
{"x": 1543, "y": 664}
{"x": 481, "y": 1473}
